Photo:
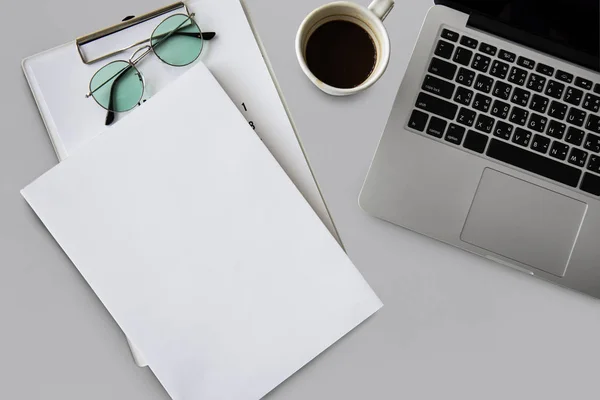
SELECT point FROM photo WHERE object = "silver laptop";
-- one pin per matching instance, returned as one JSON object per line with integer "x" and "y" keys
{"x": 493, "y": 143}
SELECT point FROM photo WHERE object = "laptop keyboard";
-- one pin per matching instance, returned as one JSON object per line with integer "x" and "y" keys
{"x": 511, "y": 109}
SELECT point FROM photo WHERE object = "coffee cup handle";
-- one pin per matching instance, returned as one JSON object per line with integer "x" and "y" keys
{"x": 381, "y": 8}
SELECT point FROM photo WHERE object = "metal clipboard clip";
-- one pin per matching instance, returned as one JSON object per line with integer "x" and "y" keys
{"x": 80, "y": 41}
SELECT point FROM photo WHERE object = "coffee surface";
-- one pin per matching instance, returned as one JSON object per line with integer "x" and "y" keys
{"x": 341, "y": 54}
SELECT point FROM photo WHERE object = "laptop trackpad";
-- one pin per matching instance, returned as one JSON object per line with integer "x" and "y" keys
{"x": 524, "y": 222}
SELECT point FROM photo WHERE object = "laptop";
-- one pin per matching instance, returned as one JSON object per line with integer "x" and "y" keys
{"x": 493, "y": 142}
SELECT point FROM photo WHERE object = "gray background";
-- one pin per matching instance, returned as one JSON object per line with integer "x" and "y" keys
{"x": 453, "y": 325}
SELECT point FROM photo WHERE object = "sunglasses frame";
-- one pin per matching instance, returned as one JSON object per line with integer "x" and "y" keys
{"x": 133, "y": 60}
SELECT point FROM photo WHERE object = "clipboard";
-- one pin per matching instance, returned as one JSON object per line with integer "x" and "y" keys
{"x": 59, "y": 78}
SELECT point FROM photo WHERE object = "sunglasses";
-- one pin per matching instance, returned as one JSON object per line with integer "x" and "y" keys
{"x": 119, "y": 86}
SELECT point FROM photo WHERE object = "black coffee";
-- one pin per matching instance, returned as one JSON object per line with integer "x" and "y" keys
{"x": 341, "y": 54}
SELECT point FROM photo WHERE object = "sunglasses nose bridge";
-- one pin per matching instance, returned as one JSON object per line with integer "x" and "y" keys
{"x": 144, "y": 49}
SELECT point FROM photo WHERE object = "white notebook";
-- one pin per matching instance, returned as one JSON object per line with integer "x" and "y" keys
{"x": 201, "y": 247}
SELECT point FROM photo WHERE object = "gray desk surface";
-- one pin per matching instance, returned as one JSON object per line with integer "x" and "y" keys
{"x": 453, "y": 326}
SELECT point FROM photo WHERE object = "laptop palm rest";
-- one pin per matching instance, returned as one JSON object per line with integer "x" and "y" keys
{"x": 524, "y": 222}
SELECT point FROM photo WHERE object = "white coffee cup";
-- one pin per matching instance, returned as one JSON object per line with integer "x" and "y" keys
{"x": 370, "y": 19}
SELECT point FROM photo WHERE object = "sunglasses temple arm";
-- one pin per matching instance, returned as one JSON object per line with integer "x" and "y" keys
{"x": 110, "y": 114}
{"x": 201, "y": 35}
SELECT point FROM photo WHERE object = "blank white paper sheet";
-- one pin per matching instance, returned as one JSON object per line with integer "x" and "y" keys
{"x": 201, "y": 247}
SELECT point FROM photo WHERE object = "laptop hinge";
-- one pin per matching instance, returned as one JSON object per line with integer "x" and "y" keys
{"x": 505, "y": 31}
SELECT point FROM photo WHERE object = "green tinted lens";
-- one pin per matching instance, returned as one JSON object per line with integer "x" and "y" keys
{"x": 117, "y": 86}
{"x": 177, "y": 40}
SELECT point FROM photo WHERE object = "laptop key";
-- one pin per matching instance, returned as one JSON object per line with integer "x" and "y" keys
{"x": 469, "y": 42}
{"x": 592, "y": 143}
{"x": 503, "y": 130}
{"x": 597, "y": 88}
{"x": 438, "y": 86}
{"x": 594, "y": 164}
{"x": 484, "y": 123}
{"x": 465, "y": 76}
{"x": 418, "y": 120}
{"x": 455, "y": 134}
{"x": 556, "y": 129}
{"x": 463, "y": 96}
{"x": 483, "y": 83}
{"x": 545, "y": 69}
{"x": 540, "y": 143}
{"x": 559, "y": 150}
{"x": 507, "y": 56}
{"x": 564, "y": 76}
{"x": 583, "y": 83}
{"x": 475, "y": 141}
{"x": 481, "y": 102}
{"x": 532, "y": 162}
{"x": 450, "y": 35}
{"x": 536, "y": 82}
{"x": 525, "y": 62}
{"x": 591, "y": 102}
{"x": 576, "y": 116}
{"x": 436, "y": 127}
{"x": 502, "y": 90}
{"x": 577, "y": 157}
{"x": 537, "y": 122}
{"x": 557, "y": 110}
{"x": 519, "y": 116}
{"x": 539, "y": 103}
{"x": 522, "y": 137}
{"x": 520, "y": 97}
{"x": 442, "y": 68}
{"x": 488, "y": 49}
{"x": 517, "y": 75}
{"x": 555, "y": 89}
{"x": 436, "y": 106}
{"x": 499, "y": 69}
{"x": 573, "y": 96}
{"x": 444, "y": 49}
{"x": 591, "y": 184}
{"x": 593, "y": 123}
{"x": 574, "y": 136}
{"x": 500, "y": 109}
{"x": 462, "y": 56}
{"x": 466, "y": 116}
{"x": 481, "y": 62}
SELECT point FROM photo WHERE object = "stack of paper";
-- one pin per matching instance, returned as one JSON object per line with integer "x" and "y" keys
{"x": 59, "y": 79}
{"x": 201, "y": 247}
